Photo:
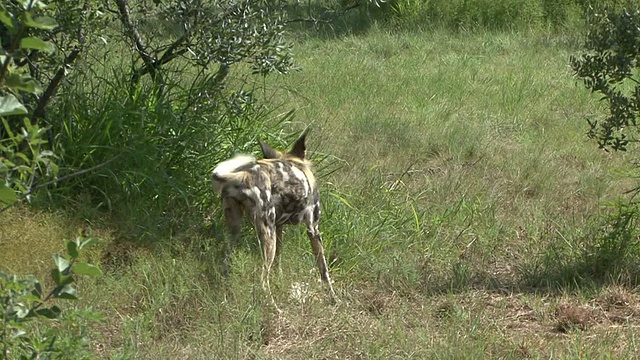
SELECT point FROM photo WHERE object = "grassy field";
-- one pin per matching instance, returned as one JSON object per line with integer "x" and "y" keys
{"x": 460, "y": 198}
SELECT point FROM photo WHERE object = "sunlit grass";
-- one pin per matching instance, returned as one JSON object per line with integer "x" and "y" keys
{"x": 463, "y": 163}
{"x": 481, "y": 132}
{"x": 463, "y": 156}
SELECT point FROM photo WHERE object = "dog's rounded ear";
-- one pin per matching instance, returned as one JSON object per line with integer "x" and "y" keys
{"x": 299, "y": 148}
{"x": 267, "y": 151}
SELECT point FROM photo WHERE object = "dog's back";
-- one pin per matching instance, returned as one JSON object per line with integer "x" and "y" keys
{"x": 293, "y": 190}
{"x": 284, "y": 185}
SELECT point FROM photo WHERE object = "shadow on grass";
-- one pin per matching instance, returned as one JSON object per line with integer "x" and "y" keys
{"x": 318, "y": 21}
{"x": 606, "y": 254}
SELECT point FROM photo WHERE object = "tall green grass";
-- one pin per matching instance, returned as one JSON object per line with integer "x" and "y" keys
{"x": 466, "y": 15}
{"x": 463, "y": 152}
{"x": 151, "y": 149}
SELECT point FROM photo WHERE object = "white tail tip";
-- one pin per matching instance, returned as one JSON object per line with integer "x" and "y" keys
{"x": 230, "y": 166}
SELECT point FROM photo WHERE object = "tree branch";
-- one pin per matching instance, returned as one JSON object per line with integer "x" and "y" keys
{"x": 168, "y": 55}
{"x": 134, "y": 35}
{"x": 39, "y": 112}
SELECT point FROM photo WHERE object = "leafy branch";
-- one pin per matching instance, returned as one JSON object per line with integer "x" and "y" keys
{"x": 610, "y": 67}
{"x": 24, "y": 301}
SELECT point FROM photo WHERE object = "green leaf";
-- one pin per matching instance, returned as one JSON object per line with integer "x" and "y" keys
{"x": 6, "y": 18}
{"x": 7, "y": 128}
{"x": 46, "y": 153}
{"x": 52, "y": 169}
{"x": 88, "y": 243}
{"x": 42, "y": 22}
{"x": 22, "y": 82}
{"x": 31, "y": 297}
{"x": 37, "y": 44}
{"x": 32, "y": 4}
{"x": 61, "y": 279}
{"x": 66, "y": 292}
{"x": 21, "y": 311}
{"x": 7, "y": 195}
{"x": 62, "y": 263}
{"x": 83, "y": 268}
{"x": 50, "y": 313}
{"x": 37, "y": 290}
{"x": 9, "y": 105}
{"x": 18, "y": 334}
{"x": 72, "y": 249}
{"x": 24, "y": 169}
{"x": 24, "y": 158}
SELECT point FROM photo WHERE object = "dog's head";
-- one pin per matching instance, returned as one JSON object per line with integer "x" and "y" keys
{"x": 298, "y": 149}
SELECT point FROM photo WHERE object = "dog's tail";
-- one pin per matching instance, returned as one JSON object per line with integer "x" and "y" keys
{"x": 226, "y": 171}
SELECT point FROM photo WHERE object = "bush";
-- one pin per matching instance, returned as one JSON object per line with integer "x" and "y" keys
{"x": 24, "y": 303}
{"x": 152, "y": 155}
{"x": 609, "y": 66}
{"x": 138, "y": 124}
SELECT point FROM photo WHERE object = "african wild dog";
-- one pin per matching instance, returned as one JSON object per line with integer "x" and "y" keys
{"x": 277, "y": 190}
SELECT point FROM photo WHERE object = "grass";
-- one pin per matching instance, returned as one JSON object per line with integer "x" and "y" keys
{"x": 464, "y": 175}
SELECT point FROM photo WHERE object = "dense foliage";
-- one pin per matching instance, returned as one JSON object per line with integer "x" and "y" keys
{"x": 610, "y": 67}
{"x": 23, "y": 302}
{"x": 22, "y": 157}
{"x": 141, "y": 128}
{"x": 140, "y": 98}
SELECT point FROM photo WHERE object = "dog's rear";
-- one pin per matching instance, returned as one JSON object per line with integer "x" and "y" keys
{"x": 277, "y": 190}
{"x": 230, "y": 171}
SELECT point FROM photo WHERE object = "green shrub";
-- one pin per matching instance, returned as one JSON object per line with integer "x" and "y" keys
{"x": 609, "y": 66}
{"x": 27, "y": 330}
{"x": 151, "y": 154}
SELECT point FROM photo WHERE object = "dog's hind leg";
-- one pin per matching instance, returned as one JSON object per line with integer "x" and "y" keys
{"x": 278, "y": 258}
{"x": 321, "y": 261}
{"x": 233, "y": 221}
{"x": 266, "y": 230}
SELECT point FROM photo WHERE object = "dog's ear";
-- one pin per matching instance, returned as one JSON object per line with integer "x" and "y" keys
{"x": 267, "y": 151}
{"x": 299, "y": 149}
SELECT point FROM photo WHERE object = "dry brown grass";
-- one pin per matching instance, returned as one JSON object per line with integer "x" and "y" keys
{"x": 511, "y": 325}
{"x": 29, "y": 238}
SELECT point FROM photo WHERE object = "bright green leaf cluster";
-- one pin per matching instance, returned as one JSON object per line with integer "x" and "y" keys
{"x": 18, "y": 17}
{"x": 9, "y": 105}
{"x": 610, "y": 67}
{"x": 18, "y": 169}
{"x": 23, "y": 301}
{"x": 19, "y": 165}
